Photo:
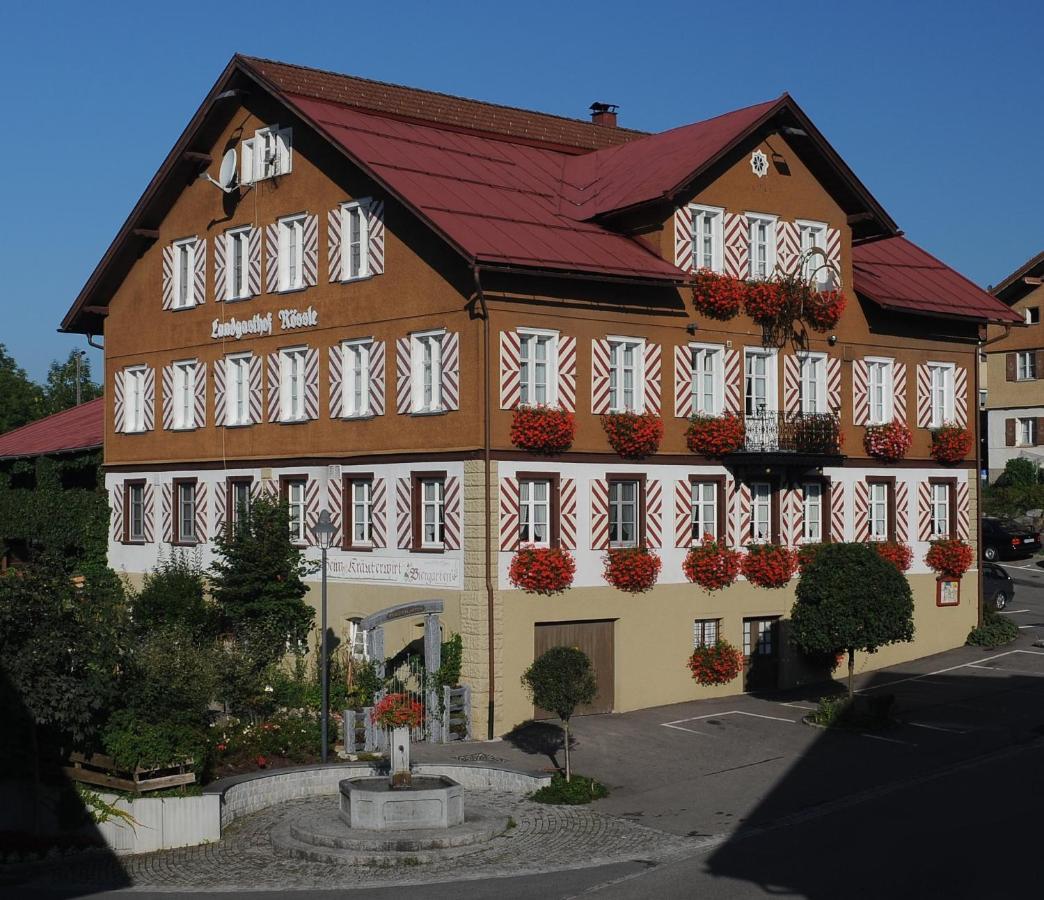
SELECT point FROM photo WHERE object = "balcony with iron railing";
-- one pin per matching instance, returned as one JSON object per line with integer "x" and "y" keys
{"x": 794, "y": 437}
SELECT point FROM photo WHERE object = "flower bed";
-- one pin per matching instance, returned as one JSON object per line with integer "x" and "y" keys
{"x": 950, "y": 444}
{"x": 888, "y": 443}
{"x": 717, "y": 296}
{"x": 715, "y": 435}
{"x": 898, "y": 554}
{"x": 712, "y": 565}
{"x": 397, "y": 711}
{"x": 719, "y": 663}
{"x": 769, "y": 565}
{"x": 823, "y": 310}
{"x": 950, "y": 558}
{"x": 633, "y": 435}
{"x": 283, "y": 739}
{"x": 542, "y": 570}
{"x": 543, "y": 429}
{"x": 631, "y": 569}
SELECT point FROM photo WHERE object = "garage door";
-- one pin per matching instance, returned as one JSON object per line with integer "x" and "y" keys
{"x": 596, "y": 640}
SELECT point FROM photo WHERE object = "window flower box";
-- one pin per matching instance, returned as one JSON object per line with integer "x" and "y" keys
{"x": 712, "y": 565}
{"x": 823, "y": 310}
{"x": 717, "y": 296}
{"x": 631, "y": 569}
{"x": 898, "y": 554}
{"x": 950, "y": 444}
{"x": 888, "y": 443}
{"x": 719, "y": 663}
{"x": 950, "y": 558}
{"x": 542, "y": 570}
{"x": 633, "y": 435}
{"x": 543, "y": 429}
{"x": 715, "y": 435}
{"x": 769, "y": 565}
{"x": 764, "y": 301}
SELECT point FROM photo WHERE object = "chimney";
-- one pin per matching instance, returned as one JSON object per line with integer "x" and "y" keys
{"x": 604, "y": 114}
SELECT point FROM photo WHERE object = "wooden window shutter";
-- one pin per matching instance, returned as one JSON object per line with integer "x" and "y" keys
{"x": 683, "y": 238}
{"x": 654, "y": 514}
{"x": 404, "y": 513}
{"x": 336, "y": 381}
{"x": 452, "y": 519}
{"x": 1011, "y": 372}
{"x": 116, "y": 512}
{"x": 833, "y": 248}
{"x": 599, "y": 376}
{"x": 898, "y": 391}
{"x": 510, "y": 368}
{"x": 509, "y": 513}
{"x": 335, "y": 489}
{"x": 567, "y": 513}
{"x": 255, "y": 390}
{"x": 220, "y": 266}
{"x": 963, "y": 511}
{"x": 791, "y": 384}
{"x": 167, "y": 381}
{"x": 375, "y": 237}
{"x": 199, "y": 275}
{"x": 168, "y": 276}
{"x": 274, "y": 378}
{"x": 901, "y": 525}
{"x": 1039, "y": 356}
{"x": 1009, "y": 432}
{"x": 960, "y": 396}
{"x": 924, "y": 396}
{"x": 1037, "y": 437}
{"x": 451, "y": 370}
{"x": 379, "y": 512}
{"x": 837, "y": 511}
{"x": 653, "y": 360}
{"x": 861, "y": 511}
{"x": 737, "y": 245}
{"x": 201, "y": 512}
{"x": 254, "y": 273}
{"x": 310, "y": 256}
{"x": 567, "y": 372}
{"x": 733, "y": 387}
{"x": 403, "y": 375}
{"x": 119, "y": 403}
{"x": 312, "y": 507}
{"x": 311, "y": 397}
{"x": 272, "y": 258}
{"x": 834, "y": 385}
{"x": 683, "y": 406}
{"x": 199, "y": 399}
{"x": 924, "y": 511}
{"x": 788, "y": 247}
{"x": 149, "y": 413}
{"x": 683, "y": 514}
{"x": 147, "y": 520}
{"x": 334, "y": 220}
{"x": 377, "y": 354}
{"x": 599, "y": 514}
{"x": 220, "y": 416}
{"x": 792, "y": 526}
{"x": 166, "y": 520}
{"x": 860, "y": 393}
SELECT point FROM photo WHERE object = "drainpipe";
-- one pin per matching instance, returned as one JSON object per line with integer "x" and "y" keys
{"x": 90, "y": 340}
{"x": 487, "y": 442}
{"x": 978, "y": 481}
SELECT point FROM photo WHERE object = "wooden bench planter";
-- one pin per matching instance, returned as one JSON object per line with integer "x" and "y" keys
{"x": 101, "y": 770}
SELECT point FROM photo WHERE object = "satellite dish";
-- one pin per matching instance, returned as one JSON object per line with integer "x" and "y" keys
{"x": 227, "y": 175}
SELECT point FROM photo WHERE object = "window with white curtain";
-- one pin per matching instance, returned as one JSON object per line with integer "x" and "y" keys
{"x": 295, "y": 500}
{"x": 704, "y": 510}
{"x": 762, "y": 245}
{"x": 940, "y": 510}
{"x": 237, "y": 264}
{"x": 237, "y": 389}
{"x": 134, "y": 398}
{"x": 538, "y": 375}
{"x": 360, "y": 502}
{"x": 355, "y": 261}
{"x": 707, "y": 379}
{"x": 433, "y": 512}
{"x": 184, "y": 274}
{"x": 292, "y": 382}
{"x": 626, "y": 375}
{"x": 942, "y": 393}
{"x": 705, "y": 632}
{"x": 291, "y": 253}
{"x": 879, "y": 390}
{"x": 761, "y": 512}
{"x": 812, "y": 511}
{"x": 427, "y": 371}
{"x": 878, "y": 511}
{"x": 623, "y": 513}
{"x": 355, "y": 378}
{"x": 813, "y": 382}
{"x": 707, "y": 238}
{"x": 534, "y": 512}
{"x": 184, "y": 394}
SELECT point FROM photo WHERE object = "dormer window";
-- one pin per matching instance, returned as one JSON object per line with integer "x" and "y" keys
{"x": 266, "y": 155}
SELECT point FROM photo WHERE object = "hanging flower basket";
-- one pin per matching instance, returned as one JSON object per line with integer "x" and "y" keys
{"x": 888, "y": 443}
{"x": 950, "y": 444}
{"x": 769, "y": 565}
{"x": 542, "y": 570}
{"x": 397, "y": 711}
{"x": 807, "y": 554}
{"x": 898, "y": 554}
{"x": 633, "y": 435}
{"x": 717, "y": 296}
{"x": 764, "y": 301}
{"x": 719, "y": 663}
{"x": 712, "y": 565}
{"x": 950, "y": 558}
{"x": 631, "y": 569}
{"x": 823, "y": 310}
{"x": 715, "y": 435}
{"x": 543, "y": 429}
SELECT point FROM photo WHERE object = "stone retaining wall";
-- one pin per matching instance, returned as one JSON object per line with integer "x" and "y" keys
{"x": 162, "y": 823}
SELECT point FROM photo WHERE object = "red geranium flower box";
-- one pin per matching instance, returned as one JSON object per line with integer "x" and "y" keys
{"x": 712, "y": 565}
{"x": 717, "y": 296}
{"x": 951, "y": 558}
{"x": 631, "y": 569}
{"x": 633, "y": 435}
{"x": 543, "y": 429}
{"x": 898, "y": 554}
{"x": 719, "y": 663}
{"x": 542, "y": 570}
{"x": 764, "y": 301}
{"x": 769, "y": 565}
{"x": 889, "y": 442}
{"x": 950, "y": 444}
{"x": 823, "y": 310}
{"x": 715, "y": 435}
{"x": 397, "y": 711}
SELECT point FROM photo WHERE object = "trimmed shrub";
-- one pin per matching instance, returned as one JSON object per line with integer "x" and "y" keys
{"x": 573, "y": 792}
{"x": 995, "y": 631}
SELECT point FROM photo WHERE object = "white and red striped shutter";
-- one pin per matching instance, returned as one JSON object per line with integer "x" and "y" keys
{"x": 653, "y": 359}
{"x": 254, "y": 272}
{"x": 599, "y": 376}
{"x": 924, "y": 511}
{"x": 403, "y": 375}
{"x": 336, "y": 381}
{"x": 788, "y": 247}
{"x": 168, "y": 276}
{"x": 334, "y": 219}
{"x": 683, "y": 238}
{"x": 452, "y": 524}
{"x": 960, "y": 396}
{"x": 202, "y": 512}
{"x": 837, "y": 511}
{"x": 683, "y": 514}
{"x": 255, "y": 390}
{"x": 377, "y": 354}
{"x": 312, "y": 510}
{"x": 116, "y": 511}
{"x": 166, "y": 522}
{"x": 899, "y": 391}
{"x": 272, "y": 258}
{"x": 861, "y": 511}
{"x": 510, "y": 369}
{"x": 791, "y": 385}
{"x": 199, "y": 274}
{"x": 220, "y": 266}
{"x": 737, "y": 245}
{"x": 199, "y": 397}
{"x": 860, "y": 393}
{"x": 567, "y": 372}
{"x": 731, "y": 512}
{"x": 375, "y": 236}
{"x": 311, "y": 395}
{"x": 902, "y": 512}
{"x": 833, "y": 251}
{"x": 119, "y": 403}
{"x": 148, "y": 514}
{"x": 509, "y": 528}
{"x": 654, "y": 514}
{"x": 379, "y": 512}
{"x": 149, "y": 412}
{"x": 567, "y": 514}
{"x": 745, "y": 501}
{"x": 793, "y": 517}
{"x": 599, "y": 514}
{"x": 683, "y": 405}
{"x": 833, "y": 372}
{"x": 335, "y": 505}
{"x": 220, "y": 416}
{"x": 274, "y": 377}
{"x": 403, "y": 513}
{"x": 167, "y": 381}
{"x": 221, "y": 501}
{"x": 963, "y": 522}
{"x": 733, "y": 388}
{"x": 451, "y": 370}
{"x": 310, "y": 257}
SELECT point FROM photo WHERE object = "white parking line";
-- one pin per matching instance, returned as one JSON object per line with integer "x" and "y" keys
{"x": 681, "y": 728}
{"x": 938, "y": 728}
{"x": 799, "y": 706}
{"x": 877, "y": 737}
{"x": 876, "y": 687}
{"x": 1011, "y": 612}
{"x": 678, "y": 723}
{"x": 1008, "y": 670}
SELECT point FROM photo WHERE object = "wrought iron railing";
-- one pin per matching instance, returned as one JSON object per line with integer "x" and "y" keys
{"x": 779, "y": 432}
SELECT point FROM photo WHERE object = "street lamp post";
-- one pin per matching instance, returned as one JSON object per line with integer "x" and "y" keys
{"x": 324, "y": 532}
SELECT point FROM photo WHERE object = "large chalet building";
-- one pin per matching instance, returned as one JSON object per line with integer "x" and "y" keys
{"x": 351, "y": 322}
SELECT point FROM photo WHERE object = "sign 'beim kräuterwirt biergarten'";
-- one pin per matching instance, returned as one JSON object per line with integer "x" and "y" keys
{"x": 260, "y": 325}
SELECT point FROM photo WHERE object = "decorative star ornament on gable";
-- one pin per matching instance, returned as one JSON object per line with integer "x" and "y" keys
{"x": 759, "y": 163}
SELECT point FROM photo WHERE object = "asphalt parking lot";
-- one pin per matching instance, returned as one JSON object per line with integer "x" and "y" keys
{"x": 1026, "y": 608}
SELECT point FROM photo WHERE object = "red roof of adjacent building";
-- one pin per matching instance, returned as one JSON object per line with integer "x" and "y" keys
{"x": 79, "y": 428}
{"x": 897, "y": 274}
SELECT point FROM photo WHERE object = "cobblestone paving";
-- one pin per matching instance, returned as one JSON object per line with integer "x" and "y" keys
{"x": 545, "y": 838}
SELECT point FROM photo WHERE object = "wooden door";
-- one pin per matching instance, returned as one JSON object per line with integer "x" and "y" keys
{"x": 761, "y": 649}
{"x": 596, "y": 640}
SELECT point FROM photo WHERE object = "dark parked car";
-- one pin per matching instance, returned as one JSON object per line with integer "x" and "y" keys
{"x": 1006, "y": 540}
{"x": 997, "y": 586}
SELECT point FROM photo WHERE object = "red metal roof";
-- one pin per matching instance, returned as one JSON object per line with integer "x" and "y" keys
{"x": 897, "y": 274}
{"x": 79, "y": 428}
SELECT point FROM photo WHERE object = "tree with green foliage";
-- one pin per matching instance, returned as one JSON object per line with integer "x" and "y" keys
{"x": 59, "y": 390}
{"x": 560, "y": 680}
{"x": 174, "y": 593}
{"x": 1019, "y": 472}
{"x": 849, "y": 599}
{"x": 21, "y": 401}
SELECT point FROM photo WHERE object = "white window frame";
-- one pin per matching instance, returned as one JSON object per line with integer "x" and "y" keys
{"x": 941, "y": 378}
{"x": 770, "y": 355}
{"x": 698, "y": 357}
{"x": 529, "y": 509}
{"x": 426, "y": 370}
{"x": 297, "y": 502}
{"x": 1026, "y": 431}
{"x": 940, "y": 510}
{"x": 1030, "y": 312}
{"x": 877, "y": 511}
{"x": 1026, "y": 369}
{"x": 700, "y": 630}
{"x": 234, "y": 487}
{"x": 237, "y": 389}
{"x": 754, "y": 222}
{"x": 185, "y": 273}
{"x": 526, "y": 367}
{"x": 812, "y": 234}
{"x": 433, "y": 513}
{"x": 267, "y": 154}
{"x": 293, "y": 383}
{"x": 617, "y": 369}
{"x": 185, "y": 372}
{"x": 617, "y": 512}
{"x": 360, "y": 500}
{"x": 361, "y": 208}
{"x": 356, "y": 640}
{"x": 291, "y": 245}
{"x": 702, "y": 217}
{"x": 134, "y": 398}
{"x": 232, "y": 238}
{"x": 812, "y": 373}
{"x": 355, "y": 378}
{"x": 761, "y": 497}
{"x": 812, "y": 511}
{"x": 183, "y": 490}
{"x": 703, "y": 499}
{"x": 886, "y": 366}
{"x": 136, "y": 513}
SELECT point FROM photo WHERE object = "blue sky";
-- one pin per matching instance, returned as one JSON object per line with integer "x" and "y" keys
{"x": 936, "y": 106}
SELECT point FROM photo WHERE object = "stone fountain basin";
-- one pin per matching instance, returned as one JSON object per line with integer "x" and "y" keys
{"x": 432, "y": 801}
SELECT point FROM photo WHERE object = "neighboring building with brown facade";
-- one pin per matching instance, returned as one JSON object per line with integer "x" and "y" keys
{"x": 1015, "y": 371}
{"x": 354, "y": 322}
